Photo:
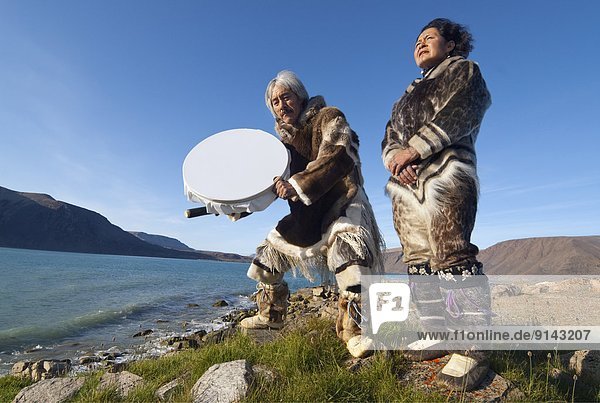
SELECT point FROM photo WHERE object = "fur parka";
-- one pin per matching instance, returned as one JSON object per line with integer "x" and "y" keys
{"x": 331, "y": 226}
{"x": 324, "y": 169}
{"x": 439, "y": 115}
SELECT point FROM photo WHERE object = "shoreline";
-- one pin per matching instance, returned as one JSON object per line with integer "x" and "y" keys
{"x": 305, "y": 303}
{"x": 316, "y": 301}
{"x": 146, "y": 344}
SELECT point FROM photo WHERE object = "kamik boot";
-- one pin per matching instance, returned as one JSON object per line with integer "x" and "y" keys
{"x": 468, "y": 306}
{"x": 429, "y": 303}
{"x": 272, "y": 302}
{"x": 348, "y": 325}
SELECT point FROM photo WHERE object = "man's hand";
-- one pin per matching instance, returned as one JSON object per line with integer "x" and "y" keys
{"x": 283, "y": 189}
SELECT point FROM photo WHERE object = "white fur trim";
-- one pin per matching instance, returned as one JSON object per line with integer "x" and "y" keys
{"x": 303, "y": 197}
{"x": 351, "y": 296}
{"x": 349, "y": 277}
{"x": 448, "y": 178}
{"x": 340, "y": 125}
{"x": 358, "y": 228}
{"x": 263, "y": 276}
{"x": 433, "y": 192}
{"x": 421, "y": 146}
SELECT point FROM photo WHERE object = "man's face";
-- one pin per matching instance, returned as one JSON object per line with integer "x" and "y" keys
{"x": 286, "y": 104}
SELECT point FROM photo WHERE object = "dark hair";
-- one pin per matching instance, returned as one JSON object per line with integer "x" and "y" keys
{"x": 451, "y": 31}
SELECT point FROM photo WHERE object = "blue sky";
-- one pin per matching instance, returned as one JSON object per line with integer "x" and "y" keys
{"x": 100, "y": 101}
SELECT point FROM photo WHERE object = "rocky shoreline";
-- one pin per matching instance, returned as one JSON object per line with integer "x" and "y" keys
{"x": 306, "y": 303}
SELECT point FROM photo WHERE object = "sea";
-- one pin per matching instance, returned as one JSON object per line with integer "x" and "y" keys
{"x": 58, "y": 305}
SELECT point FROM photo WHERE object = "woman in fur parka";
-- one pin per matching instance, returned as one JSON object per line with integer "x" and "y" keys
{"x": 331, "y": 226}
{"x": 429, "y": 149}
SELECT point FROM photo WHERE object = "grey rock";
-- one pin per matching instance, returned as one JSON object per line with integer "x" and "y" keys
{"x": 21, "y": 369}
{"x": 144, "y": 333}
{"x": 218, "y": 335}
{"x": 124, "y": 382}
{"x": 184, "y": 342}
{"x": 55, "y": 390}
{"x": 220, "y": 303}
{"x": 226, "y": 382}
{"x": 44, "y": 369}
{"x": 200, "y": 333}
{"x": 166, "y": 391}
{"x": 505, "y": 290}
{"x": 318, "y": 292}
{"x": 329, "y": 312}
{"x": 493, "y": 388}
{"x": 585, "y": 364}
{"x": 89, "y": 359}
{"x": 262, "y": 371}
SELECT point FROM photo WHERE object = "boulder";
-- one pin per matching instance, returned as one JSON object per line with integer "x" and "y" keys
{"x": 165, "y": 392}
{"x": 218, "y": 336}
{"x": 184, "y": 342}
{"x": 144, "y": 333}
{"x": 124, "y": 382}
{"x": 21, "y": 369}
{"x": 226, "y": 382}
{"x": 318, "y": 292}
{"x": 329, "y": 312}
{"x": 585, "y": 364}
{"x": 221, "y": 303}
{"x": 264, "y": 372}
{"x": 89, "y": 359}
{"x": 505, "y": 290}
{"x": 50, "y": 390}
{"x": 43, "y": 369}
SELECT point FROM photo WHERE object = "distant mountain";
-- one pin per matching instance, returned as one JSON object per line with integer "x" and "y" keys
{"x": 38, "y": 221}
{"x": 172, "y": 243}
{"x": 162, "y": 240}
{"x": 555, "y": 255}
{"x": 550, "y": 255}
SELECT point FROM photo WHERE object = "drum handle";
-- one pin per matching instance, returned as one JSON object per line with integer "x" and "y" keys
{"x": 197, "y": 212}
{"x": 201, "y": 211}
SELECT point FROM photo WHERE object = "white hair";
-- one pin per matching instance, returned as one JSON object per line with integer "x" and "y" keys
{"x": 287, "y": 79}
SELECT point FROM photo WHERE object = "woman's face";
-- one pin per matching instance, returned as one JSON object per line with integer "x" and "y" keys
{"x": 431, "y": 48}
{"x": 286, "y": 104}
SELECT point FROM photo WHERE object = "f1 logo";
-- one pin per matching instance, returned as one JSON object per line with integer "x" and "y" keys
{"x": 389, "y": 302}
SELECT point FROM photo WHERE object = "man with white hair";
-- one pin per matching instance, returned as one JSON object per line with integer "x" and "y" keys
{"x": 331, "y": 226}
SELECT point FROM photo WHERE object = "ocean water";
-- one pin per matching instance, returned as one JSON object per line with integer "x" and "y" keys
{"x": 56, "y": 305}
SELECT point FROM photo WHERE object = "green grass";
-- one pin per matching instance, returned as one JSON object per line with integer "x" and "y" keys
{"x": 531, "y": 374}
{"x": 309, "y": 365}
{"x": 10, "y": 386}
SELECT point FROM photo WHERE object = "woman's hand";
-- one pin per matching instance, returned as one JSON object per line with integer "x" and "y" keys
{"x": 284, "y": 189}
{"x": 401, "y": 160}
{"x": 408, "y": 176}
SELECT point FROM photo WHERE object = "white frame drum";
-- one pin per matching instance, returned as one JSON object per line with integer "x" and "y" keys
{"x": 232, "y": 171}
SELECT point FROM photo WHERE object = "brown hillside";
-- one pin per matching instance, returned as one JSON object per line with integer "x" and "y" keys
{"x": 555, "y": 255}
{"x": 551, "y": 255}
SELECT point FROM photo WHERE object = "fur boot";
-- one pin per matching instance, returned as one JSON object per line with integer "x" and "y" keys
{"x": 348, "y": 325}
{"x": 426, "y": 295}
{"x": 272, "y": 302}
{"x": 468, "y": 305}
